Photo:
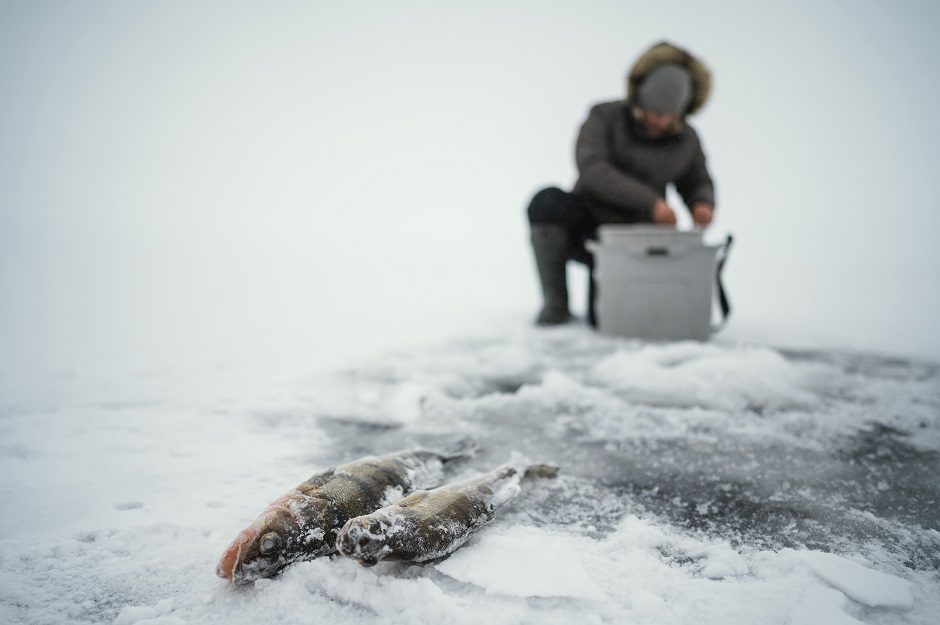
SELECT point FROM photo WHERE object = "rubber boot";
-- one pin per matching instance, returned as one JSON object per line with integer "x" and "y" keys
{"x": 550, "y": 244}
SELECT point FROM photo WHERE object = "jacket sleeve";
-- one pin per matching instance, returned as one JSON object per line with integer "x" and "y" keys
{"x": 604, "y": 180}
{"x": 695, "y": 184}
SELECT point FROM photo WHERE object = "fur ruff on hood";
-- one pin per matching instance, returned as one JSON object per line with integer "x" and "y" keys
{"x": 664, "y": 52}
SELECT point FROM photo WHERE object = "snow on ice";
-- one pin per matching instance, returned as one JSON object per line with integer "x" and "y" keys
{"x": 517, "y": 563}
{"x": 858, "y": 582}
{"x": 706, "y": 483}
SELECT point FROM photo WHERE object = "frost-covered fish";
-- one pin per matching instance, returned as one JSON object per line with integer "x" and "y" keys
{"x": 430, "y": 524}
{"x": 303, "y": 523}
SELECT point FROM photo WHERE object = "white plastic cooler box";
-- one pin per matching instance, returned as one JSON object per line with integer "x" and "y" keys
{"x": 657, "y": 283}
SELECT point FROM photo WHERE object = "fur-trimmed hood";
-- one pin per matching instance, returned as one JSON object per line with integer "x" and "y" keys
{"x": 664, "y": 52}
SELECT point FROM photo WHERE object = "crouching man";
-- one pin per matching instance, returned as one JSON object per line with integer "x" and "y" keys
{"x": 627, "y": 152}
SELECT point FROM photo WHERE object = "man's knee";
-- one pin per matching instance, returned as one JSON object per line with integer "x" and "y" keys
{"x": 549, "y": 206}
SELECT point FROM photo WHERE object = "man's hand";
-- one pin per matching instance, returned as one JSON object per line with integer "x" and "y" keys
{"x": 662, "y": 214}
{"x": 702, "y": 213}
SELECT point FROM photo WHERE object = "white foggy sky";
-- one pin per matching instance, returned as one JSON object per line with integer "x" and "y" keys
{"x": 312, "y": 181}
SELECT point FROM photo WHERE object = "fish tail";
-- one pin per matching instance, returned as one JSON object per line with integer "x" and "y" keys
{"x": 539, "y": 471}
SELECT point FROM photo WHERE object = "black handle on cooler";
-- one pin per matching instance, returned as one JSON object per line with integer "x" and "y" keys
{"x": 722, "y": 295}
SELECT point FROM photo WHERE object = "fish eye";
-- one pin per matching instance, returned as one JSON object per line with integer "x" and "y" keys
{"x": 270, "y": 542}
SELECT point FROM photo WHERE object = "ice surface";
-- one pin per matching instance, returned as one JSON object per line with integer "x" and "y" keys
{"x": 747, "y": 492}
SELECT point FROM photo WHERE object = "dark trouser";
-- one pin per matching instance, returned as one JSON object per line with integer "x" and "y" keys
{"x": 552, "y": 206}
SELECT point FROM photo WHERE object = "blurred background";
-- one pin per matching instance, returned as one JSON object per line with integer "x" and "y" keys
{"x": 305, "y": 184}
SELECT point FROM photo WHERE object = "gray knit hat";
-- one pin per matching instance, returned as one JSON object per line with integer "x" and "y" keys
{"x": 666, "y": 89}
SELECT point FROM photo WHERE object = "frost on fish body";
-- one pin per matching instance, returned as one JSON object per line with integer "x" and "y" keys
{"x": 303, "y": 524}
{"x": 430, "y": 524}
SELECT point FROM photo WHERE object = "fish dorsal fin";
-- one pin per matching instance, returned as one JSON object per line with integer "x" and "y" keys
{"x": 318, "y": 480}
{"x": 412, "y": 499}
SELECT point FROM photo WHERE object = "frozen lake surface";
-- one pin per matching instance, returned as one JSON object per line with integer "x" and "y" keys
{"x": 706, "y": 483}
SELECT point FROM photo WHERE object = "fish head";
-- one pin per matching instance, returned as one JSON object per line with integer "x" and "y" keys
{"x": 365, "y": 539}
{"x": 286, "y": 532}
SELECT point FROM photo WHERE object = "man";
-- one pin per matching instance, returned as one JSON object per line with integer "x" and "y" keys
{"x": 627, "y": 152}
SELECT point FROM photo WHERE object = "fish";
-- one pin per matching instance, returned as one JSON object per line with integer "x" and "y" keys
{"x": 431, "y": 524}
{"x": 303, "y": 523}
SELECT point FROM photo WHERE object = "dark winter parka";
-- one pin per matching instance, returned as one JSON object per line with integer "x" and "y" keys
{"x": 622, "y": 173}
